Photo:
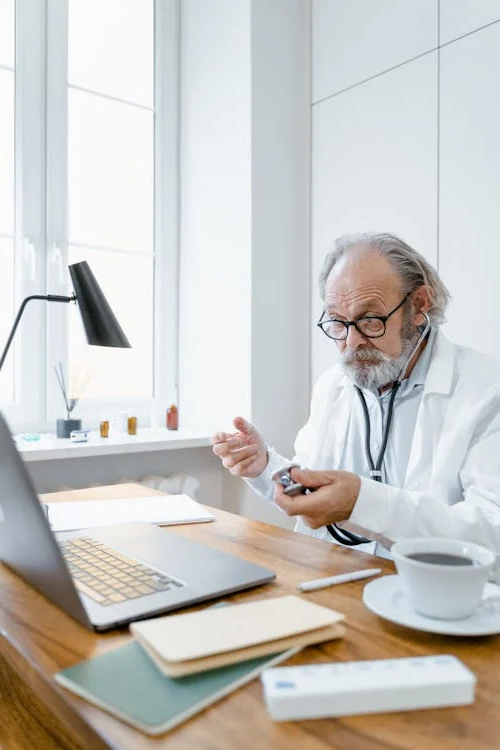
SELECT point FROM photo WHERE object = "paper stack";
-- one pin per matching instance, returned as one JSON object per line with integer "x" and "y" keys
{"x": 163, "y": 510}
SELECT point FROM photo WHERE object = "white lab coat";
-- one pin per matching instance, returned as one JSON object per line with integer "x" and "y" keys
{"x": 451, "y": 487}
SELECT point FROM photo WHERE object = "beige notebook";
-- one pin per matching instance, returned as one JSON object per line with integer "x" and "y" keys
{"x": 217, "y": 630}
{"x": 291, "y": 643}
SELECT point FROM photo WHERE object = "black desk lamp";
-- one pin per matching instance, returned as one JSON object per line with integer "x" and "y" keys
{"x": 100, "y": 324}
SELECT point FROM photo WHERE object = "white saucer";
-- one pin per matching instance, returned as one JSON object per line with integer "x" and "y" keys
{"x": 385, "y": 597}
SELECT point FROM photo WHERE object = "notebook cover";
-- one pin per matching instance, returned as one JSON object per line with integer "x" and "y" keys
{"x": 214, "y": 630}
{"x": 125, "y": 682}
{"x": 178, "y": 669}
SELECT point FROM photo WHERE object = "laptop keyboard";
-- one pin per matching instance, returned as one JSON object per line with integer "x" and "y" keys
{"x": 107, "y": 576}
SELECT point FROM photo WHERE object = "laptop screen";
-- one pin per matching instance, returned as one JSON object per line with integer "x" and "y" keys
{"x": 27, "y": 544}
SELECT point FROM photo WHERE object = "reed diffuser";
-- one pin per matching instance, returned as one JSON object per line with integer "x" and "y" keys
{"x": 81, "y": 380}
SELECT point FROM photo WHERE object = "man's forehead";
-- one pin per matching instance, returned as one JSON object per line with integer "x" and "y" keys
{"x": 367, "y": 272}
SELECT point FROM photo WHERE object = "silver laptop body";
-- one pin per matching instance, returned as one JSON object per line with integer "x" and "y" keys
{"x": 31, "y": 549}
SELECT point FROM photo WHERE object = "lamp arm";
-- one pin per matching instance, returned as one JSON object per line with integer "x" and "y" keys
{"x": 49, "y": 298}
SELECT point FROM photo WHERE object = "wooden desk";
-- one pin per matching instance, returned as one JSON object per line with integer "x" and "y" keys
{"x": 38, "y": 639}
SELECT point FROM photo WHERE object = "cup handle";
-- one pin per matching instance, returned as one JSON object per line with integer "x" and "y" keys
{"x": 486, "y": 597}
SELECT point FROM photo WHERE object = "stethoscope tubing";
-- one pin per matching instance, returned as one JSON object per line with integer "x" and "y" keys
{"x": 343, "y": 536}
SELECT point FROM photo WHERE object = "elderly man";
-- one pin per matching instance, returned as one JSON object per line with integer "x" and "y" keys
{"x": 403, "y": 434}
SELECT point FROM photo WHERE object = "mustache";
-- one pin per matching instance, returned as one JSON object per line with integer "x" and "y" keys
{"x": 372, "y": 356}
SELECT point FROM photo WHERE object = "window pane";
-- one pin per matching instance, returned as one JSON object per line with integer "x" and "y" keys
{"x": 127, "y": 282}
{"x": 110, "y": 173}
{"x": 7, "y": 314}
{"x": 111, "y": 47}
{"x": 7, "y": 33}
{"x": 6, "y": 152}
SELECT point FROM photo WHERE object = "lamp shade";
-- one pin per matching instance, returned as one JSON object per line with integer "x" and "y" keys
{"x": 100, "y": 324}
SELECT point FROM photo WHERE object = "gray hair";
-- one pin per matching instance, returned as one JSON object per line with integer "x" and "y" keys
{"x": 410, "y": 266}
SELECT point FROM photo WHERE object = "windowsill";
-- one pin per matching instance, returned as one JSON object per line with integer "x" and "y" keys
{"x": 50, "y": 447}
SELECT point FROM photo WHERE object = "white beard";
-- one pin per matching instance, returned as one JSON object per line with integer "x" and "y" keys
{"x": 378, "y": 369}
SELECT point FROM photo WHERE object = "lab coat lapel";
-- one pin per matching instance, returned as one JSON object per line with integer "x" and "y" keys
{"x": 332, "y": 434}
{"x": 431, "y": 414}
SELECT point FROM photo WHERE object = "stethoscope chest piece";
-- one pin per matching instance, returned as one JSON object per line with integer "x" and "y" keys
{"x": 283, "y": 477}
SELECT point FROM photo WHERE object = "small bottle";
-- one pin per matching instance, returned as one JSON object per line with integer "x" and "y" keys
{"x": 104, "y": 427}
{"x": 132, "y": 425}
{"x": 172, "y": 417}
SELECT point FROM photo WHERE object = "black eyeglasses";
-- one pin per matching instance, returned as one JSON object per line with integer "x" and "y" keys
{"x": 370, "y": 326}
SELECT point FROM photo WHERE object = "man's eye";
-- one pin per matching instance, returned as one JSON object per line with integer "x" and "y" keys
{"x": 371, "y": 325}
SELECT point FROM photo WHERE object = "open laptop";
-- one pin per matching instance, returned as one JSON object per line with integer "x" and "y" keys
{"x": 109, "y": 576}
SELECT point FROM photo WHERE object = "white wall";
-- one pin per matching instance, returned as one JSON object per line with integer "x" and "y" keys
{"x": 353, "y": 40}
{"x": 469, "y": 187}
{"x": 460, "y": 17}
{"x": 244, "y": 295}
{"x": 374, "y": 168}
{"x": 405, "y": 139}
{"x": 215, "y": 220}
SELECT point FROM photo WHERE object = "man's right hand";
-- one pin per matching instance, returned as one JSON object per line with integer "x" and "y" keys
{"x": 243, "y": 452}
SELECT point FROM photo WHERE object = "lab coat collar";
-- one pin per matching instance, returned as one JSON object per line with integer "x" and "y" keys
{"x": 441, "y": 370}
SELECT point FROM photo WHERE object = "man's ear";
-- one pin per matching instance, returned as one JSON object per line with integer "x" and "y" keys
{"x": 421, "y": 300}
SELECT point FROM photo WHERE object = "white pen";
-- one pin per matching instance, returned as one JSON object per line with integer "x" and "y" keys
{"x": 321, "y": 583}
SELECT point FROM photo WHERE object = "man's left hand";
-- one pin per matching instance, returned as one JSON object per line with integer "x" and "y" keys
{"x": 333, "y": 496}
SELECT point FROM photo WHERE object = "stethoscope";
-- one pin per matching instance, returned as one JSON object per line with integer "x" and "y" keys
{"x": 343, "y": 536}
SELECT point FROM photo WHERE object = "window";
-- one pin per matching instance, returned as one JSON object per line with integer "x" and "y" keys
{"x": 88, "y": 171}
{"x": 7, "y": 184}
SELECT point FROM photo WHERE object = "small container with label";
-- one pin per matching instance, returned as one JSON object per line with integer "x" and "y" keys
{"x": 132, "y": 426}
{"x": 104, "y": 428}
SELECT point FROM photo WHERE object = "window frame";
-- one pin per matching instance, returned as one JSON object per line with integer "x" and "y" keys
{"x": 27, "y": 350}
{"x": 41, "y": 216}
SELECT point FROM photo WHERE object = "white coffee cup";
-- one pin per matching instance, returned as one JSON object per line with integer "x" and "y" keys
{"x": 443, "y": 590}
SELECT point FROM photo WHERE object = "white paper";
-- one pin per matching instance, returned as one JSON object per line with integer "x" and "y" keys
{"x": 164, "y": 510}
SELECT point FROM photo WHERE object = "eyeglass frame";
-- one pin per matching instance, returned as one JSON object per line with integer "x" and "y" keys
{"x": 348, "y": 323}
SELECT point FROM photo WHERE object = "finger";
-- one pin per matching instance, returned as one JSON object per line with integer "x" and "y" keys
{"x": 241, "y": 454}
{"x": 233, "y": 458}
{"x": 235, "y": 442}
{"x": 239, "y": 438}
{"x": 243, "y": 426}
{"x": 301, "y": 505}
{"x": 220, "y": 437}
{"x": 295, "y": 506}
{"x": 309, "y": 478}
{"x": 241, "y": 468}
{"x": 285, "y": 501}
{"x": 221, "y": 450}
{"x": 229, "y": 446}
{"x": 244, "y": 451}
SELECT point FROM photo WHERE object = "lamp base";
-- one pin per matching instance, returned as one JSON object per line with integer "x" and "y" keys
{"x": 65, "y": 426}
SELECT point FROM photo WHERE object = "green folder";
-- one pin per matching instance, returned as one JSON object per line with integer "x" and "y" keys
{"x": 127, "y": 684}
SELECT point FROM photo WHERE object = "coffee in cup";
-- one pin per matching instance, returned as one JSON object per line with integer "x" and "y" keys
{"x": 443, "y": 578}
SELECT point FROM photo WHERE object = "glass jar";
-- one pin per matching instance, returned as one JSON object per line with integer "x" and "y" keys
{"x": 172, "y": 417}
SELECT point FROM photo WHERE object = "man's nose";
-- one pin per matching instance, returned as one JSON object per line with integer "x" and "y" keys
{"x": 355, "y": 338}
